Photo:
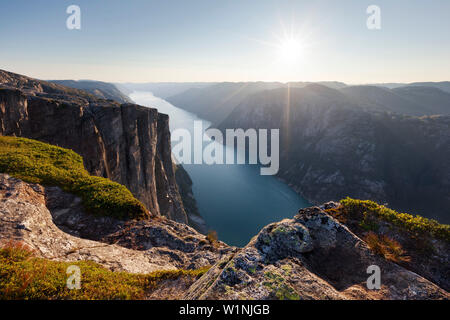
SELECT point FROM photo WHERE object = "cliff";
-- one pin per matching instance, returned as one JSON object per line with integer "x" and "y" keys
{"x": 126, "y": 143}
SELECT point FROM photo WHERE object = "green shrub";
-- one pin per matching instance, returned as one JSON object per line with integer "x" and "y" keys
{"x": 368, "y": 212}
{"x": 38, "y": 162}
{"x": 23, "y": 276}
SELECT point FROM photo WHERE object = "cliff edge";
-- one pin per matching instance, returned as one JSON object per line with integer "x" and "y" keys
{"x": 126, "y": 143}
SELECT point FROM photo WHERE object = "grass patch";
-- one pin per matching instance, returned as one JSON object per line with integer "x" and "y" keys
{"x": 37, "y": 162}
{"x": 369, "y": 213}
{"x": 23, "y": 276}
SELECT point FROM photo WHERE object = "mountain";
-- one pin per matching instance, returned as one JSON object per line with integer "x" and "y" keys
{"x": 329, "y": 84}
{"x": 410, "y": 100}
{"x": 331, "y": 147}
{"x": 163, "y": 89}
{"x": 216, "y": 102}
{"x": 100, "y": 89}
{"x": 126, "y": 143}
{"x": 443, "y": 85}
{"x": 433, "y": 100}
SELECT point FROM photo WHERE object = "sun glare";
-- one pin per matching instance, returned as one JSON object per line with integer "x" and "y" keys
{"x": 290, "y": 50}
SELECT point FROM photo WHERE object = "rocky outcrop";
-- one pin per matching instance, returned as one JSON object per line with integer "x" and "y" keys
{"x": 54, "y": 225}
{"x": 311, "y": 256}
{"x": 126, "y": 143}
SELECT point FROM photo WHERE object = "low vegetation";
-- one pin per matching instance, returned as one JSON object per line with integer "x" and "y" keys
{"x": 370, "y": 214}
{"x": 386, "y": 247}
{"x": 212, "y": 238}
{"x": 38, "y": 162}
{"x": 23, "y": 276}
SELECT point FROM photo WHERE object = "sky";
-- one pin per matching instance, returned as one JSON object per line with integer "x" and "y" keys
{"x": 227, "y": 40}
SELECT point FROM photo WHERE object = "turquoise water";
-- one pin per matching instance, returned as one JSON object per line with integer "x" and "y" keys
{"x": 235, "y": 200}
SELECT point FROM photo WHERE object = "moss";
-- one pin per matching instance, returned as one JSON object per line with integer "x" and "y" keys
{"x": 286, "y": 268}
{"x": 38, "y": 162}
{"x": 277, "y": 284}
{"x": 279, "y": 230}
{"x": 23, "y": 276}
{"x": 369, "y": 213}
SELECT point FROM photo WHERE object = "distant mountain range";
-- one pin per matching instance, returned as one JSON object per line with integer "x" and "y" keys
{"x": 443, "y": 85}
{"x": 216, "y": 102}
{"x": 162, "y": 89}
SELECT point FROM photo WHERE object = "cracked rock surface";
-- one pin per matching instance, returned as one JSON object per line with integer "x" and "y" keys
{"x": 311, "y": 256}
{"x": 54, "y": 225}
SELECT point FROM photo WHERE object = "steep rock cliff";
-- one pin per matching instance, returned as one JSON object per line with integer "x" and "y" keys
{"x": 126, "y": 143}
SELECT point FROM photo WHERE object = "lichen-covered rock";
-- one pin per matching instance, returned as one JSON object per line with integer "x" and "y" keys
{"x": 284, "y": 239}
{"x": 311, "y": 256}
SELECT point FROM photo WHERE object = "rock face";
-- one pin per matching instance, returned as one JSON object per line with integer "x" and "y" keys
{"x": 311, "y": 256}
{"x": 184, "y": 183}
{"x": 126, "y": 143}
{"x": 54, "y": 225}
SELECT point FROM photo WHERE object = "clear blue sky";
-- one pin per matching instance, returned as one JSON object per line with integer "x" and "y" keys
{"x": 226, "y": 40}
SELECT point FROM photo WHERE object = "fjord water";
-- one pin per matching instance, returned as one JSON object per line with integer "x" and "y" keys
{"x": 235, "y": 200}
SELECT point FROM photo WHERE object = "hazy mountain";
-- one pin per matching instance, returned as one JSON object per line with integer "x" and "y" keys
{"x": 164, "y": 89}
{"x": 329, "y": 84}
{"x": 103, "y": 90}
{"x": 433, "y": 99}
{"x": 411, "y": 100}
{"x": 443, "y": 85}
{"x": 331, "y": 148}
{"x": 216, "y": 102}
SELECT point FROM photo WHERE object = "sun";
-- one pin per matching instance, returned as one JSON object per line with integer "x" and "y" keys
{"x": 290, "y": 50}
